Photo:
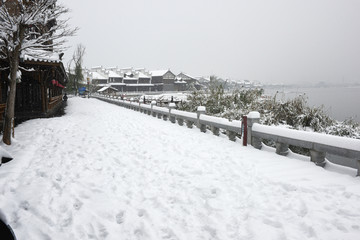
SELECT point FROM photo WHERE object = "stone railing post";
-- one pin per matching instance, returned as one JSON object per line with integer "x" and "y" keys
{"x": 172, "y": 117}
{"x": 253, "y": 117}
{"x": 152, "y": 105}
{"x": 282, "y": 149}
{"x": 189, "y": 123}
{"x": 201, "y": 110}
{"x": 231, "y": 135}
{"x": 180, "y": 121}
{"x": 215, "y": 130}
{"x": 318, "y": 158}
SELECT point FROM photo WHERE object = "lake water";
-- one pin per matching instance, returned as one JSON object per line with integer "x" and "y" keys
{"x": 339, "y": 102}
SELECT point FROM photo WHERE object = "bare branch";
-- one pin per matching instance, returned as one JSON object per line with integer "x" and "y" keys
{"x": 38, "y": 20}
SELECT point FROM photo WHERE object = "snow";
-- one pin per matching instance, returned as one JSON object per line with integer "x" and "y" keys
{"x": 166, "y": 97}
{"x": 96, "y": 75}
{"x": 142, "y": 75}
{"x": 253, "y": 115}
{"x": 107, "y": 172}
{"x": 113, "y": 74}
{"x": 158, "y": 73}
{"x": 222, "y": 121}
{"x": 102, "y": 89}
{"x": 40, "y": 56}
{"x": 186, "y": 115}
{"x": 140, "y": 85}
{"x": 201, "y": 109}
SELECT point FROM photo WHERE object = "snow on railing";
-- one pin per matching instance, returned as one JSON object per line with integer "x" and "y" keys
{"x": 319, "y": 144}
{"x": 200, "y": 119}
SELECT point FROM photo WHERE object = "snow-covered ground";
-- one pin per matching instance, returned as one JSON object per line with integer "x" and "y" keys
{"x": 106, "y": 172}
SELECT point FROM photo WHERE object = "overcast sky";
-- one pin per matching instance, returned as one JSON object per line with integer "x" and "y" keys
{"x": 271, "y": 41}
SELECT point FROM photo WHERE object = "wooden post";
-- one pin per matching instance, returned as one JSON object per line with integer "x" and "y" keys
{"x": 244, "y": 130}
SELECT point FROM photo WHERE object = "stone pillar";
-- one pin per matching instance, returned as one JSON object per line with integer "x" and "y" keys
{"x": 189, "y": 123}
{"x": 165, "y": 117}
{"x": 201, "y": 110}
{"x": 282, "y": 149}
{"x": 153, "y": 103}
{"x": 172, "y": 117}
{"x": 318, "y": 158}
{"x": 215, "y": 130}
{"x": 180, "y": 121}
{"x": 253, "y": 117}
{"x": 231, "y": 135}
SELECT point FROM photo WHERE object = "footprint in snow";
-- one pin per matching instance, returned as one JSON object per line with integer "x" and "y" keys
{"x": 77, "y": 204}
{"x": 25, "y": 205}
{"x": 58, "y": 177}
{"x": 120, "y": 217}
{"x": 141, "y": 212}
{"x": 167, "y": 233}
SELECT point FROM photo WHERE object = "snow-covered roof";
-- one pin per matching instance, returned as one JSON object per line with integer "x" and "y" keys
{"x": 96, "y": 75}
{"x": 180, "y": 82}
{"x": 140, "y": 85}
{"x": 158, "y": 73}
{"x": 96, "y": 67}
{"x": 142, "y": 75}
{"x": 41, "y": 56}
{"x": 117, "y": 84}
{"x": 186, "y": 75}
{"x": 203, "y": 79}
{"x": 113, "y": 74}
{"x": 131, "y": 78}
{"x": 105, "y": 88}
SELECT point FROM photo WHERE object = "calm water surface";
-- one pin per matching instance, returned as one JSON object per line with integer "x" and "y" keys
{"x": 339, "y": 102}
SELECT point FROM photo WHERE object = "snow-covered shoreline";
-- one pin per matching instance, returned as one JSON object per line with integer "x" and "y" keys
{"x": 106, "y": 172}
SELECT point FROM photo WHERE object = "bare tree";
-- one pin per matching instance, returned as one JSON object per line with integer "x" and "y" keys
{"x": 78, "y": 59}
{"x": 31, "y": 28}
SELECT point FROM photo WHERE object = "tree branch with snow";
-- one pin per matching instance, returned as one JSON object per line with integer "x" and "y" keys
{"x": 29, "y": 29}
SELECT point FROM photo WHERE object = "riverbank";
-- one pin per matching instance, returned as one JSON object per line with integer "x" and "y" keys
{"x": 339, "y": 102}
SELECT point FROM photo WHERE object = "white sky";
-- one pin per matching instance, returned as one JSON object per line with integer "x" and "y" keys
{"x": 277, "y": 41}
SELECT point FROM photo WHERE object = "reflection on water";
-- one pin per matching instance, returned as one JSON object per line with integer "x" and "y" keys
{"x": 339, "y": 102}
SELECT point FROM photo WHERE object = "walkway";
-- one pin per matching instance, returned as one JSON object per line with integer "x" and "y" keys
{"x": 105, "y": 172}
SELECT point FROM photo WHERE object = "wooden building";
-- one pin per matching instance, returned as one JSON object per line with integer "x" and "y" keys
{"x": 189, "y": 80}
{"x": 39, "y": 92}
{"x": 163, "y": 80}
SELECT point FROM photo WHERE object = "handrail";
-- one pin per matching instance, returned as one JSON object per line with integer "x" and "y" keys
{"x": 346, "y": 147}
{"x": 318, "y": 144}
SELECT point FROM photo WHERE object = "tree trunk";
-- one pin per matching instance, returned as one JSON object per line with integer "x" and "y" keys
{"x": 10, "y": 103}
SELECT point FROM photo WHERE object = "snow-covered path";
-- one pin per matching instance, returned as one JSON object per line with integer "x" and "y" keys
{"x": 105, "y": 172}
